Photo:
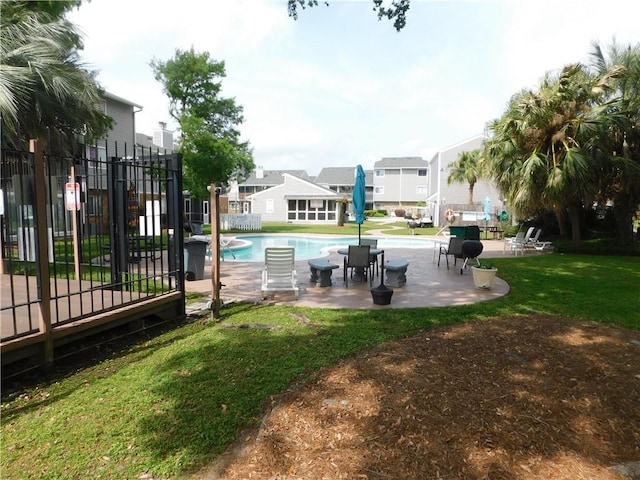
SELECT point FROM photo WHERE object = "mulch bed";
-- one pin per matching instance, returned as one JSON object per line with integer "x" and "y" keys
{"x": 512, "y": 398}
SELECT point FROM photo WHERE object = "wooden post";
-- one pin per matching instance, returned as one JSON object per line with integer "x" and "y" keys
{"x": 44, "y": 313}
{"x": 215, "y": 251}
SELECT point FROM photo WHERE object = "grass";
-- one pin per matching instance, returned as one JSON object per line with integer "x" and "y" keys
{"x": 167, "y": 407}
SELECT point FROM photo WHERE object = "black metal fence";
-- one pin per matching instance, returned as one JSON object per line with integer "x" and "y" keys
{"x": 86, "y": 234}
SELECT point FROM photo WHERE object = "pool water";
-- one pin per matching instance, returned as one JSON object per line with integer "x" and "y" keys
{"x": 252, "y": 248}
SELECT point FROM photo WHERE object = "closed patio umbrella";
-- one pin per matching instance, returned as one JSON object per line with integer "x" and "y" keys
{"x": 359, "y": 198}
{"x": 487, "y": 215}
{"x": 487, "y": 209}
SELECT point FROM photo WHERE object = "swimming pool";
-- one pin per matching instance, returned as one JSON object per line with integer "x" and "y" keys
{"x": 250, "y": 248}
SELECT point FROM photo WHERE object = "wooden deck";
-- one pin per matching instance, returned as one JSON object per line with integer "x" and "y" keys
{"x": 76, "y": 309}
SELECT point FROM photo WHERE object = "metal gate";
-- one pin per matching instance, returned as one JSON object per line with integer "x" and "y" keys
{"x": 87, "y": 240}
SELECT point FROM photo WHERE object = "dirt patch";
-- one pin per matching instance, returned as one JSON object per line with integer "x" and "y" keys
{"x": 512, "y": 398}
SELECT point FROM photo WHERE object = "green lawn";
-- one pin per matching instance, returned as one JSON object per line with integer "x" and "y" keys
{"x": 168, "y": 406}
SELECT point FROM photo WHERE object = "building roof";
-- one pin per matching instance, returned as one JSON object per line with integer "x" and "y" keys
{"x": 401, "y": 162}
{"x": 111, "y": 96}
{"x": 335, "y": 176}
{"x": 143, "y": 140}
{"x": 475, "y": 142}
{"x": 273, "y": 177}
{"x": 309, "y": 189}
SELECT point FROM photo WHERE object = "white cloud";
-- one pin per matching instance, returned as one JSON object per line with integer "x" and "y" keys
{"x": 339, "y": 88}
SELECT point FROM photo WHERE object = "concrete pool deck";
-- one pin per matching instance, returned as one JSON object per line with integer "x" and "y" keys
{"x": 427, "y": 284}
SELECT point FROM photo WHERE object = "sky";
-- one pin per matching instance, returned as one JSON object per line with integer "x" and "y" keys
{"x": 338, "y": 87}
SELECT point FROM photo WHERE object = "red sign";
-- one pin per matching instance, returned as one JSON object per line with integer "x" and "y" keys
{"x": 72, "y": 196}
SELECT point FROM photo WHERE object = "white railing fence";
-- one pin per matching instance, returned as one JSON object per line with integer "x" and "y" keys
{"x": 234, "y": 221}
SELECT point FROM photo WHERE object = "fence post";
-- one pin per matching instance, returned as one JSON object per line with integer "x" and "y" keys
{"x": 214, "y": 212}
{"x": 44, "y": 290}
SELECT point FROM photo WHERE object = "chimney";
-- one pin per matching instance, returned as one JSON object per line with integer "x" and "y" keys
{"x": 259, "y": 171}
{"x": 163, "y": 137}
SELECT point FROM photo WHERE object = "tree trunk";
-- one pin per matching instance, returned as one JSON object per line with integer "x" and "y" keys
{"x": 623, "y": 215}
{"x": 562, "y": 226}
{"x": 341, "y": 211}
{"x": 471, "y": 185}
{"x": 574, "y": 218}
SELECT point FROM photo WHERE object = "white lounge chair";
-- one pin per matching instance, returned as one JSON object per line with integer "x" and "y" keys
{"x": 518, "y": 242}
{"x": 533, "y": 239}
{"x": 279, "y": 274}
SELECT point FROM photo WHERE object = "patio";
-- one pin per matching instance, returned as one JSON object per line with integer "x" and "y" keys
{"x": 427, "y": 284}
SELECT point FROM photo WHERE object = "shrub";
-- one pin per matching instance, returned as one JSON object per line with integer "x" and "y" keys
{"x": 375, "y": 213}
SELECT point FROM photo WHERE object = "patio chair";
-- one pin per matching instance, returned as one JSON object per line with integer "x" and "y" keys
{"x": 358, "y": 258}
{"x": 279, "y": 274}
{"x": 454, "y": 248}
{"x": 373, "y": 243}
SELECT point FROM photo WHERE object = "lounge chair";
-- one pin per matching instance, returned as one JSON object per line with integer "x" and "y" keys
{"x": 279, "y": 274}
{"x": 358, "y": 257}
{"x": 533, "y": 239}
{"x": 518, "y": 242}
{"x": 535, "y": 243}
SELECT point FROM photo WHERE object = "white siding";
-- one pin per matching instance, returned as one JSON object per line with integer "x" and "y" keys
{"x": 401, "y": 186}
{"x": 458, "y": 193}
{"x": 123, "y": 129}
{"x": 272, "y": 203}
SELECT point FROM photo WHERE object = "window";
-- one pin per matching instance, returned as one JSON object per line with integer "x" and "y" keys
{"x": 422, "y": 172}
{"x": 378, "y": 190}
{"x": 421, "y": 190}
{"x": 311, "y": 210}
{"x": 269, "y": 207}
{"x": 94, "y": 205}
{"x": 379, "y": 173}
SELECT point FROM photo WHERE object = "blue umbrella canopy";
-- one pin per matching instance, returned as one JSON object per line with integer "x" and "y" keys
{"x": 359, "y": 198}
{"x": 359, "y": 195}
{"x": 487, "y": 209}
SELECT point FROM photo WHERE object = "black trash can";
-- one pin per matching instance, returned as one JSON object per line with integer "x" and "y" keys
{"x": 195, "y": 250}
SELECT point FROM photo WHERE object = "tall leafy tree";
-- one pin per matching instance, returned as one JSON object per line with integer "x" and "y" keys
{"x": 210, "y": 141}
{"x": 469, "y": 168}
{"x": 619, "y": 140}
{"x": 395, "y": 10}
{"x": 42, "y": 82}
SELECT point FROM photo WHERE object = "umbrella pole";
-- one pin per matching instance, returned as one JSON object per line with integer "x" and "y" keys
{"x": 359, "y": 227}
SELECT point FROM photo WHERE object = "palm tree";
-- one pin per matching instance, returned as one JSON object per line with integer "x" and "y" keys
{"x": 42, "y": 82}
{"x": 573, "y": 140}
{"x": 540, "y": 151}
{"x": 619, "y": 143}
{"x": 467, "y": 168}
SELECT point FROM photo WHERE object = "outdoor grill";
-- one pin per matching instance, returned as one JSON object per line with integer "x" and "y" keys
{"x": 470, "y": 249}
